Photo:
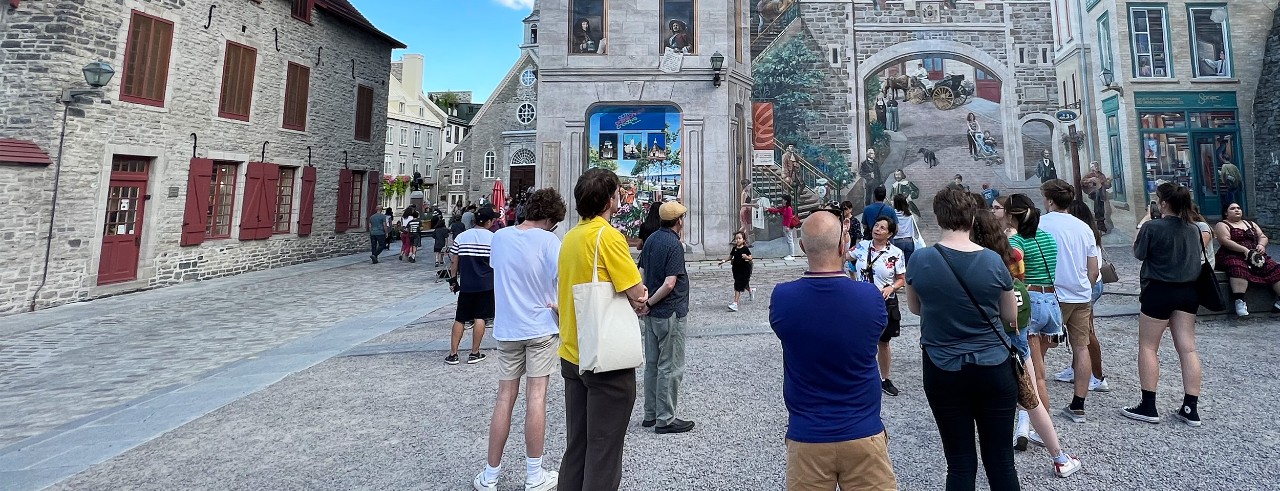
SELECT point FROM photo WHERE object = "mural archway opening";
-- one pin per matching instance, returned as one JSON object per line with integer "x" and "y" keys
{"x": 1037, "y": 145}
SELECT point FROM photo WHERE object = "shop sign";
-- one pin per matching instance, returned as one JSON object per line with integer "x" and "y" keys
{"x": 1067, "y": 115}
{"x": 1206, "y": 100}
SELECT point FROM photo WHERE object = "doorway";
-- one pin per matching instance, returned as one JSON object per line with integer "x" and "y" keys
{"x": 122, "y": 232}
{"x": 522, "y": 178}
{"x": 986, "y": 86}
{"x": 1210, "y": 152}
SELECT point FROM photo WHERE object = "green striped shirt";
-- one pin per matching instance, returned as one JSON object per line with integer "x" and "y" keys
{"x": 1040, "y": 256}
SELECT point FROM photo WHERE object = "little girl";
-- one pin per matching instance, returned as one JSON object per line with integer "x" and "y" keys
{"x": 740, "y": 261}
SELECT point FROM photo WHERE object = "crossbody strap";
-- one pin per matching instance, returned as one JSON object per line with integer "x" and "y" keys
{"x": 972, "y": 298}
{"x": 1043, "y": 261}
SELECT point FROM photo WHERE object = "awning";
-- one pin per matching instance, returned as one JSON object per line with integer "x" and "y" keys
{"x": 22, "y": 152}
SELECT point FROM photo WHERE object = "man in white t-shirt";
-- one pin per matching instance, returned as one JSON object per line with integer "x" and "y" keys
{"x": 526, "y": 324}
{"x": 1075, "y": 274}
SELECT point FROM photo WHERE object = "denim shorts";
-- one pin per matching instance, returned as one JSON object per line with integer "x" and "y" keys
{"x": 1097, "y": 292}
{"x": 1019, "y": 342}
{"x": 1046, "y": 317}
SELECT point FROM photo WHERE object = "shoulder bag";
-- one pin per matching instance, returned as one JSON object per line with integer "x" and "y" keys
{"x": 1254, "y": 259}
{"x": 1105, "y": 268}
{"x": 608, "y": 328}
{"x": 1207, "y": 289}
{"x": 1027, "y": 397}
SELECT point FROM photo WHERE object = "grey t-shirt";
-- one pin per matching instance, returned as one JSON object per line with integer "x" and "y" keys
{"x": 663, "y": 256}
{"x": 468, "y": 220}
{"x": 1169, "y": 249}
{"x": 952, "y": 331}
{"x": 378, "y": 224}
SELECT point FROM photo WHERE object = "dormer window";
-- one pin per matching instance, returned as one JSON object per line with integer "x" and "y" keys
{"x": 401, "y": 108}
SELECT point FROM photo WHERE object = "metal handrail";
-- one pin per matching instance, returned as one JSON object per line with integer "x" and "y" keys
{"x": 788, "y": 15}
{"x": 805, "y": 164}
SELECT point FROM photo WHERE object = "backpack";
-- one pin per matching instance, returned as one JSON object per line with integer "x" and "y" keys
{"x": 1231, "y": 179}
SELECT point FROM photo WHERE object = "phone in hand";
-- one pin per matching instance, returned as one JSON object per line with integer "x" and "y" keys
{"x": 1155, "y": 211}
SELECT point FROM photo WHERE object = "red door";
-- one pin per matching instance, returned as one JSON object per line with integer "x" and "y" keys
{"x": 987, "y": 86}
{"x": 122, "y": 233}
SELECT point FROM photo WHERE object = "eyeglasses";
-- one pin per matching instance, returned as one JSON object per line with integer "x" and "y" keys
{"x": 996, "y": 207}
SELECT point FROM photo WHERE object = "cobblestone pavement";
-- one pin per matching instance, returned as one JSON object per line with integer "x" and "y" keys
{"x": 390, "y": 415}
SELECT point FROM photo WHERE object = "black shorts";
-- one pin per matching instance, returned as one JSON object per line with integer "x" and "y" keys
{"x": 1160, "y": 299}
{"x": 439, "y": 245}
{"x": 474, "y": 305}
{"x": 893, "y": 328}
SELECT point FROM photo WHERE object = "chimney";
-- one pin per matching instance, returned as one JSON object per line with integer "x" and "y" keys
{"x": 412, "y": 77}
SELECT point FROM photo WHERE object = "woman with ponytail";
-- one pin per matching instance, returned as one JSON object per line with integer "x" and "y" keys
{"x": 1170, "y": 250}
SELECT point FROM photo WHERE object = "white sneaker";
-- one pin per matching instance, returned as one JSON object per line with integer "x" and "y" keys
{"x": 1020, "y": 430}
{"x": 479, "y": 485}
{"x": 1066, "y": 469}
{"x": 1098, "y": 385}
{"x": 1066, "y": 375}
{"x": 733, "y": 307}
{"x": 1035, "y": 438}
{"x": 751, "y": 295}
{"x": 549, "y": 481}
{"x": 1242, "y": 309}
{"x": 789, "y": 258}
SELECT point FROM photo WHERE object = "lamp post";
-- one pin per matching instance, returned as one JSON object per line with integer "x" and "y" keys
{"x": 717, "y": 63}
{"x": 1108, "y": 79}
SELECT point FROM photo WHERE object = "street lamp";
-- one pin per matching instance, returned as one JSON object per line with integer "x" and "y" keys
{"x": 97, "y": 74}
{"x": 717, "y": 63}
{"x": 1108, "y": 80}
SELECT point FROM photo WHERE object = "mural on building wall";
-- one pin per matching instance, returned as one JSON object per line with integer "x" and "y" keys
{"x": 587, "y": 23}
{"x": 678, "y": 26}
{"x": 649, "y": 164}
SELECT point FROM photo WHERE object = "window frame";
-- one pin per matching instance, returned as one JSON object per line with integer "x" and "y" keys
{"x": 417, "y": 163}
{"x": 456, "y": 178}
{"x": 390, "y": 127}
{"x": 291, "y": 98}
{"x": 127, "y": 76}
{"x": 1168, "y": 65}
{"x": 490, "y": 165}
{"x": 359, "y": 184}
{"x": 417, "y": 138}
{"x": 388, "y": 164}
{"x": 284, "y": 192}
{"x": 243, "y": 87}
{"x": 404, "y": 136}
{"x": 363, "y": 113}
{"x": 217, "y": 201}
{"x": 300, "y": 14}
{"x": 457, "y": 157}
{"x": 532, "y": 113}
{"x": 665, "y": 19}
{"x": 602, "y": 28}
{"x": 404, "y": 160}
{"x": 1106, "y": 52}
{"x": 1194, "y": 49}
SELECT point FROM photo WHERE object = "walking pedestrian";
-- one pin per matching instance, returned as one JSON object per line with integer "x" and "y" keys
{"x": 1040, "y": 258}
{"x": 1097, "y": 380}
{"x": 959, "y": 289}
{"x": 469, "y": 217}
{"x": 1075, "y": 273}
{"x": 440, "y": 236}
{"x": 740, "y": 263}
{"x": 1166, "y": 246}
{"x": 524, "y": 260}
{"x": 597, "y": 405}
{"x": 665, "y": 277}
{"x": 377, "y": 235}
{"x": 406, "y": 240}
{"x": 414, "y": 231}
{"x": 908, "y": 230}
{"x": 835, "y": 436}
{"x": 789, "y": 225}
{"x": 989, "y": 232}
{"x": 879, "y": 262}
{"x": 472, "y": 278}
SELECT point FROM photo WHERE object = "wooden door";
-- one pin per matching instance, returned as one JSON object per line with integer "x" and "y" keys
{"x": 521, "y": 178}
{"x": 987, "y": 87}
{"x": 122, "y": 231}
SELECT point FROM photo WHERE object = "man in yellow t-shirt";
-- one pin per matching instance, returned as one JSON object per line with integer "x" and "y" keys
{"x": 597, "y": 405}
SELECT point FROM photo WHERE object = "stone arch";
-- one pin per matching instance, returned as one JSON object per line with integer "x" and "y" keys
{"x": 1055, "y": 144}
{"x": 1001, "y": 70}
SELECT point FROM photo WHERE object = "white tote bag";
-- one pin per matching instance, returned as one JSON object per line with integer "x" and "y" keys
{"x": 608, "y": 328}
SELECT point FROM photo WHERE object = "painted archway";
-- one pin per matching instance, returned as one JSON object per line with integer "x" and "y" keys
{"x": 1055, "y": 142}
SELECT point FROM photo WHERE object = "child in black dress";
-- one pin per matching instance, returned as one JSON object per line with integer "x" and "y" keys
{"x": 740, "y": 262}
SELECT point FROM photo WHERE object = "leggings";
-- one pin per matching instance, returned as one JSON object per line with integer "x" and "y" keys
{"x": 985, "y": 396}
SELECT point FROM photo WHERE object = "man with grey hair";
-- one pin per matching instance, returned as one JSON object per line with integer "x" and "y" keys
{"x": 662, "y": 263}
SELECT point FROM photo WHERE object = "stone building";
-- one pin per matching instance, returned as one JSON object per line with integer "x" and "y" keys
{"x": 1266, "y": 154}
{"x": 500, "y": 142}
{"x": 231, "y": 139}
{"x": 415, "y": 131}
{"x": 1182, "y": 100}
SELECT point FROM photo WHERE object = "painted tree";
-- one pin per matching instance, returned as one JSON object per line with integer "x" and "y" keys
{"x": 788, "y": 76}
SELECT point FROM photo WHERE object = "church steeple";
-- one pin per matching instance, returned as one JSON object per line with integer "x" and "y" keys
{"x": 531, "y": 32}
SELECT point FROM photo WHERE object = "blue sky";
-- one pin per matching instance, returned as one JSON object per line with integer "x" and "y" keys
{"x": 467, "y": 44}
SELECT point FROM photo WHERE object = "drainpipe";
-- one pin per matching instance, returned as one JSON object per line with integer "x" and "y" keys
{"x": 53, "y": 205}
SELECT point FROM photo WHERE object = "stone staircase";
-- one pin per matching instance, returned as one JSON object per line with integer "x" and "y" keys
{"x": 762, "y": 36}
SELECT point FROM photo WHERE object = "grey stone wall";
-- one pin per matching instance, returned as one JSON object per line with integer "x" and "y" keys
{"x": 826, "y": 24}
{"x": 491, "y": 132}
{"x": 1266, "y": 109}
{"x": 43, "y": 48}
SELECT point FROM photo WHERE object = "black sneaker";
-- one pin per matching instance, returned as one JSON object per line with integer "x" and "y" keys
{"x": 649, "y": 423}
{"x": 375, "y": 259}
{"x": 475, "y": 358}
{"x": 1190, "y": 416}
{"x": 451, "y": 359}
{"x": 413, "y": 259}
{"x": 676, "y": 426}
{"x": 1137, "y": 413}
{"x": 887, "y": 386}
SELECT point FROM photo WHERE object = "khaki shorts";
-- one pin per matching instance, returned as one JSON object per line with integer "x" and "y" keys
{"x": 861, "y": 464}
{"x": 531, "y": 357}
{"x": 1078, "y": 319}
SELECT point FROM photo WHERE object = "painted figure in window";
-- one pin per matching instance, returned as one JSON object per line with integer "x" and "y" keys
{"x": 585, "y": 40}
{"x": 1144, "y": 68}
{"x": 678, "y": 36}
{"x": 1214, "y": 68}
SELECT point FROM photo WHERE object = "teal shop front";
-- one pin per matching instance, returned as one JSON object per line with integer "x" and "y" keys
{"x": 1186, "y": 137}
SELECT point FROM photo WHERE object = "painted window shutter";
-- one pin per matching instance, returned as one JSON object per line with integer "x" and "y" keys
{"x": 307, "y": 201}
{"x": 375, "y": 182}
{"x": 343, "y": 216}
{"x": 251, "y": 207}
{"x": 267, "y": 207}
{"x": 195, "y": 216}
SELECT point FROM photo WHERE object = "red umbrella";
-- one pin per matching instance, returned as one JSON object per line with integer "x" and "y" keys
{"x": 499, "y": 196}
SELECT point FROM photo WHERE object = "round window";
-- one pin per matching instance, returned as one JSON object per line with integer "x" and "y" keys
{"x": 526, "y": 114}
{"x": 527, "y": 77}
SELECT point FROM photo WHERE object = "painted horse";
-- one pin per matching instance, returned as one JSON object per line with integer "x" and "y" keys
{"x": 897, "y": 83}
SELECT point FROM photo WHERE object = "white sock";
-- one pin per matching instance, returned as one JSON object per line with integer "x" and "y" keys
{"x": 1023, "y": 421}
{"x": 533, "y": 467}
{"x": 491, "y": 473}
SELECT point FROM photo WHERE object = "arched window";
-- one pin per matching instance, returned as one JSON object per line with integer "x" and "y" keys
{"x": 490, "y": 165}
{"x": 533, "y": 34}
{"x": 523, "y": 156}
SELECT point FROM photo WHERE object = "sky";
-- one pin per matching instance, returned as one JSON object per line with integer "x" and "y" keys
{"x": 466, "y": 44}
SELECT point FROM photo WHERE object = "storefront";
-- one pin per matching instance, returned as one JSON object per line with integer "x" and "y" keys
{"x": 1186, "y": 137}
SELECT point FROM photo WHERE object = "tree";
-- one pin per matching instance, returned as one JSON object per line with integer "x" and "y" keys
{"x": 447, "y": 100}
{"x": 788, "y": 76}
{"x": 593, "y": 157}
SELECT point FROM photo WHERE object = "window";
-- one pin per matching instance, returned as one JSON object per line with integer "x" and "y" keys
{"x": 448, "y": 134}
{"x": 416, "y": 164}
{"x": 357, "y": 186}
{"x": 678, "y": 30}
{"x": 533, "y": 34}
{"x": 237, "y": 81}
{"x": 296, "y": 91}
{"x": 401, "y": 108}
{"x": 525, "y": 113}
{"x": 457, "y": 177}
{"x": 587, "y": 23}
{"x": 284, "y": 200}
{"x": 431, "y": 140}
{"x": 527, "y": 78}
{"x": 1110, "y": 108}
{"x": 1209, "y": 42}
{"x": 417, "y": 138}
{"x": 388, "y": 163}
{"x": 523, "y": 156}
{"x": 457, "y": 156}
{"x": 146, "y": 60}
{"x": 404, "y": 136}
{"x": 1150, "y": 48}
{"x": 222, "y": 196}
{"x": 1105, "y": 54}
{"x": 490, "y": 165}
{"x": 422, "y": 112}
{"x": 403, "y": 160}
{"x": 302, "y": 10}
{"x": 364, "y": 112}
{"x": 389, "y": 140}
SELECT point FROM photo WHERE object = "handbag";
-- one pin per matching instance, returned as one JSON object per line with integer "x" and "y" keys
{"x": 916, "y": 235}
{"x": 608, "y": 328}
{"x": 1027, "y": 397}
{"x": 1107, "y": 269}
{"x": 1253, "y": 258}
{"x": 1207, "y": 290}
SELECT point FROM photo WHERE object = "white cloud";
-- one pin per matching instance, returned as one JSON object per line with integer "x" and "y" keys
{"x": 517, "y": 4}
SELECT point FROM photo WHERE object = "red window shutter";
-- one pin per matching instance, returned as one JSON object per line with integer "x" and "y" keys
{"x": 296, "y": 93}
{"x": 343, "y": 216}
{"x": 375, "y": 181}
{"x": 249, "y": 210}
{"x": 364, "y": 113}
{"x": 307, "y": 201}
{"x": 196, "y": 214}
{"x": 267, "y": 207}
